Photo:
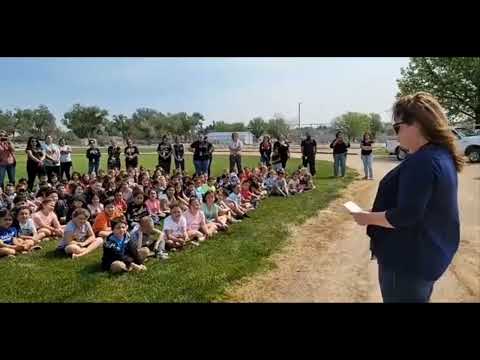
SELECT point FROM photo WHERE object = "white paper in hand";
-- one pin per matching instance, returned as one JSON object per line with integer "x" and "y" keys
{"x": 352, "y": 207}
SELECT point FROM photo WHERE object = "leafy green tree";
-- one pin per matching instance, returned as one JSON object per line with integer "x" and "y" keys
{"x": 277, "y": 126}
{"x": 257, "y": 126}
{"x": 352, "y": 124}
{"x": 455, "y": 81}
{"x": 86, "y": 121}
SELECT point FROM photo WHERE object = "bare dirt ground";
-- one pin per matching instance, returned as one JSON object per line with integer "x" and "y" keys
{"x": 327, "y": 259}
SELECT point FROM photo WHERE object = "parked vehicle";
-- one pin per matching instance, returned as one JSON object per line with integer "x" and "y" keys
{"x": 468, "y": 145}
{"x": 394, "y": 148}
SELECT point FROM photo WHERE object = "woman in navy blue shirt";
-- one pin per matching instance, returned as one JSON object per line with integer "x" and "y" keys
{"x": 414, "y": 224}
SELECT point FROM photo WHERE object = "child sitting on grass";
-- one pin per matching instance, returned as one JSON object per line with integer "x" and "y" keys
{"x": 46, "y": 220}
{"x": 146, "y": 241}
{"x": 226, "y": 210}
{"x": 26, "y": 227}
{"x": 10, "y": 243}
{"x": 79, "y": 238}
{"x": 175, "y": 228}
{"x": 102, "y": 226}
{"x": 280, "y": 188}
{"x": 136, "y": 209}
{"x": 197, "y": 227}
{"x": 154, "y": 208}
{"x": 117, "y": 256}
{"x": 212, "y": 212}
{"x": 294, "y": 184}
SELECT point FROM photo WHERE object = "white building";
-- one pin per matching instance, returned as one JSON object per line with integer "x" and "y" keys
{"x": 226, "y": 137}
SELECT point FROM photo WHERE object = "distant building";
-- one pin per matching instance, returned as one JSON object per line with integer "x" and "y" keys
{"x": 226, "y": 137}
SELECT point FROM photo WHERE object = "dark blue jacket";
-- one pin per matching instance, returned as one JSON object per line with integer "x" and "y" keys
{"x": 421, "y": 202}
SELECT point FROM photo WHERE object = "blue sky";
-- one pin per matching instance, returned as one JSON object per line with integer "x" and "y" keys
{"x": 222, "y": 89}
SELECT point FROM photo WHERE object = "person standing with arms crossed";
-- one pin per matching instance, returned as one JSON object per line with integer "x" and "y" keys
{"x": 367, "y": 157}
{"x": 414, "y": 225}
{"x": 265, "y": 150}
{"x": 52, "y": 158}
{"x": 309, "y": 149}
{"x": 164, "y": 151}
{"x": 93, "y": 156}
{"x": 210, "y": 154}
{"x": 114, "y": 151}
{"x": 282, "y": 148}
{"x": 178, "y": 155}
{"x": 8, "y": 161}
{"x": 65, "y": 159}
{"x": 235, "y": 147}
{"x": 131, "y": 155}
{"x": 340, "y": 149}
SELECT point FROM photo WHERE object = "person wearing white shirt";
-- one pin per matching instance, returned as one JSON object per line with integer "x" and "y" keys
{"x": 235, "y": 148}
{"x": 65, "y": 159}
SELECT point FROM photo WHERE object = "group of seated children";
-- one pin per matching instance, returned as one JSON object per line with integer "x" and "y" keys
{"x": 122, "y": 211}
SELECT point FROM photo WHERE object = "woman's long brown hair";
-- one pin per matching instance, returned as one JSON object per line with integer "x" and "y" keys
{"x": 424, "y": 109}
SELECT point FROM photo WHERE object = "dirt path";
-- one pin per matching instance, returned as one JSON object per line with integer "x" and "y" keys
{"x": 327, "y": 258}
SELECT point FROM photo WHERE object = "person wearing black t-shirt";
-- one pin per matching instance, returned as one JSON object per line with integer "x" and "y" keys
{"x": 340, "y": 148}
{"x": 201, "y": 155}
{"x": 178, "y": 154}
{"x": 136, "y": 209}
{"x": 131, "y": 155}
{"x": 282, "y": 148}
{"x": 367, "y": 157}
{"x": 210, "y": 155}
{"x": 35, "y": 157}
{"x": 309, "y": 149}
{"x": 114, "y": 152}
{"x": 93, "y": 156}
{"x": 164, "y": 151}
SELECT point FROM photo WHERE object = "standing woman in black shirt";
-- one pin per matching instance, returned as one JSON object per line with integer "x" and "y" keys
{"x": 114, "y": 152}
{"x": 340, "y": 148}
{"x": 164, "y": 151}
{"x": 283, "y": 149}
{"x": 93, "y": 156}
{"x": 131, "y": 155}
{"x": 367, "y": 157}
{"x": 35, "y": 157}
{"x": 178, "y": 153}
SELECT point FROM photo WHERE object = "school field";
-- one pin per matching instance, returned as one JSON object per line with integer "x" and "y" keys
{"x": 194, "y": 275}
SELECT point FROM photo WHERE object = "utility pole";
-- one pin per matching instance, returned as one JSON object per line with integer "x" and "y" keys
{"x": 299, "y": 126}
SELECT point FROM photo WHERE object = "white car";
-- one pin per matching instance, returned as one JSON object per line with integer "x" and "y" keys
{"x": 468, "y": 145}
{"x": 394, "y": 148}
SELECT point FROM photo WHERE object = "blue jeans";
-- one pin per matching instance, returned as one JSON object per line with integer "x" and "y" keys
{"x": 367, "y": 165}
{"x": 93, "y": 167}
{"x": 10, "y": 170}
{"x": 201, "y": 166}
{"x": 400, "y": 287}
{"x": 339, "y": 164}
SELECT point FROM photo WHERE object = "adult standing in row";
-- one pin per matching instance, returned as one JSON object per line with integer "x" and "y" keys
{"x": 131, "y": 155}
{"x": 8, "y": 162}
{"x": 282, "y": 147}
{"x": 265, "y": 150}
{"x": 52, "y": 157}
{"x": 340, "y": 149}
{"x": 164, "y": 151}
{"x": 178, "y": 154}
{"x": 93, "y": 155}
{"x": 367, "y": 157}
{"x": 114, "y": 151}
{"x": 65, "y": 159}
{"x": 201, "y": 155}
{"x": 309, "y": 150}
{"x": 210, "y": 155}
{"x": 35, "y": 158}
{"x": 235, "y": 147}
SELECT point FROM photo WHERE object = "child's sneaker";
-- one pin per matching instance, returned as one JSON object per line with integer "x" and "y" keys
{"x": 162, "y": 255}
{"x": 194, "y": 243}
{"x": 235, "y": 221}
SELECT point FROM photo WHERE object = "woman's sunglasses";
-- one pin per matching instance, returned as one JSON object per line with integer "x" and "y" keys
{"x": 396, "y": 126}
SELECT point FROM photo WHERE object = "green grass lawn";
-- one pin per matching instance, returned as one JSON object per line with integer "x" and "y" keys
{"x": 195, "y": 275}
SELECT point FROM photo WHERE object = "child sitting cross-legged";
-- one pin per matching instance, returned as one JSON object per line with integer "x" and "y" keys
{"x": 197, "y": 226}
{"x": 175, "y": 228}
{"x": 10, "y": 243}
{"x": 213, "y": 213}
{"x": 79, "y": 238}
{"x": 146, "y": 241}
{"x": 117, "y": 254}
